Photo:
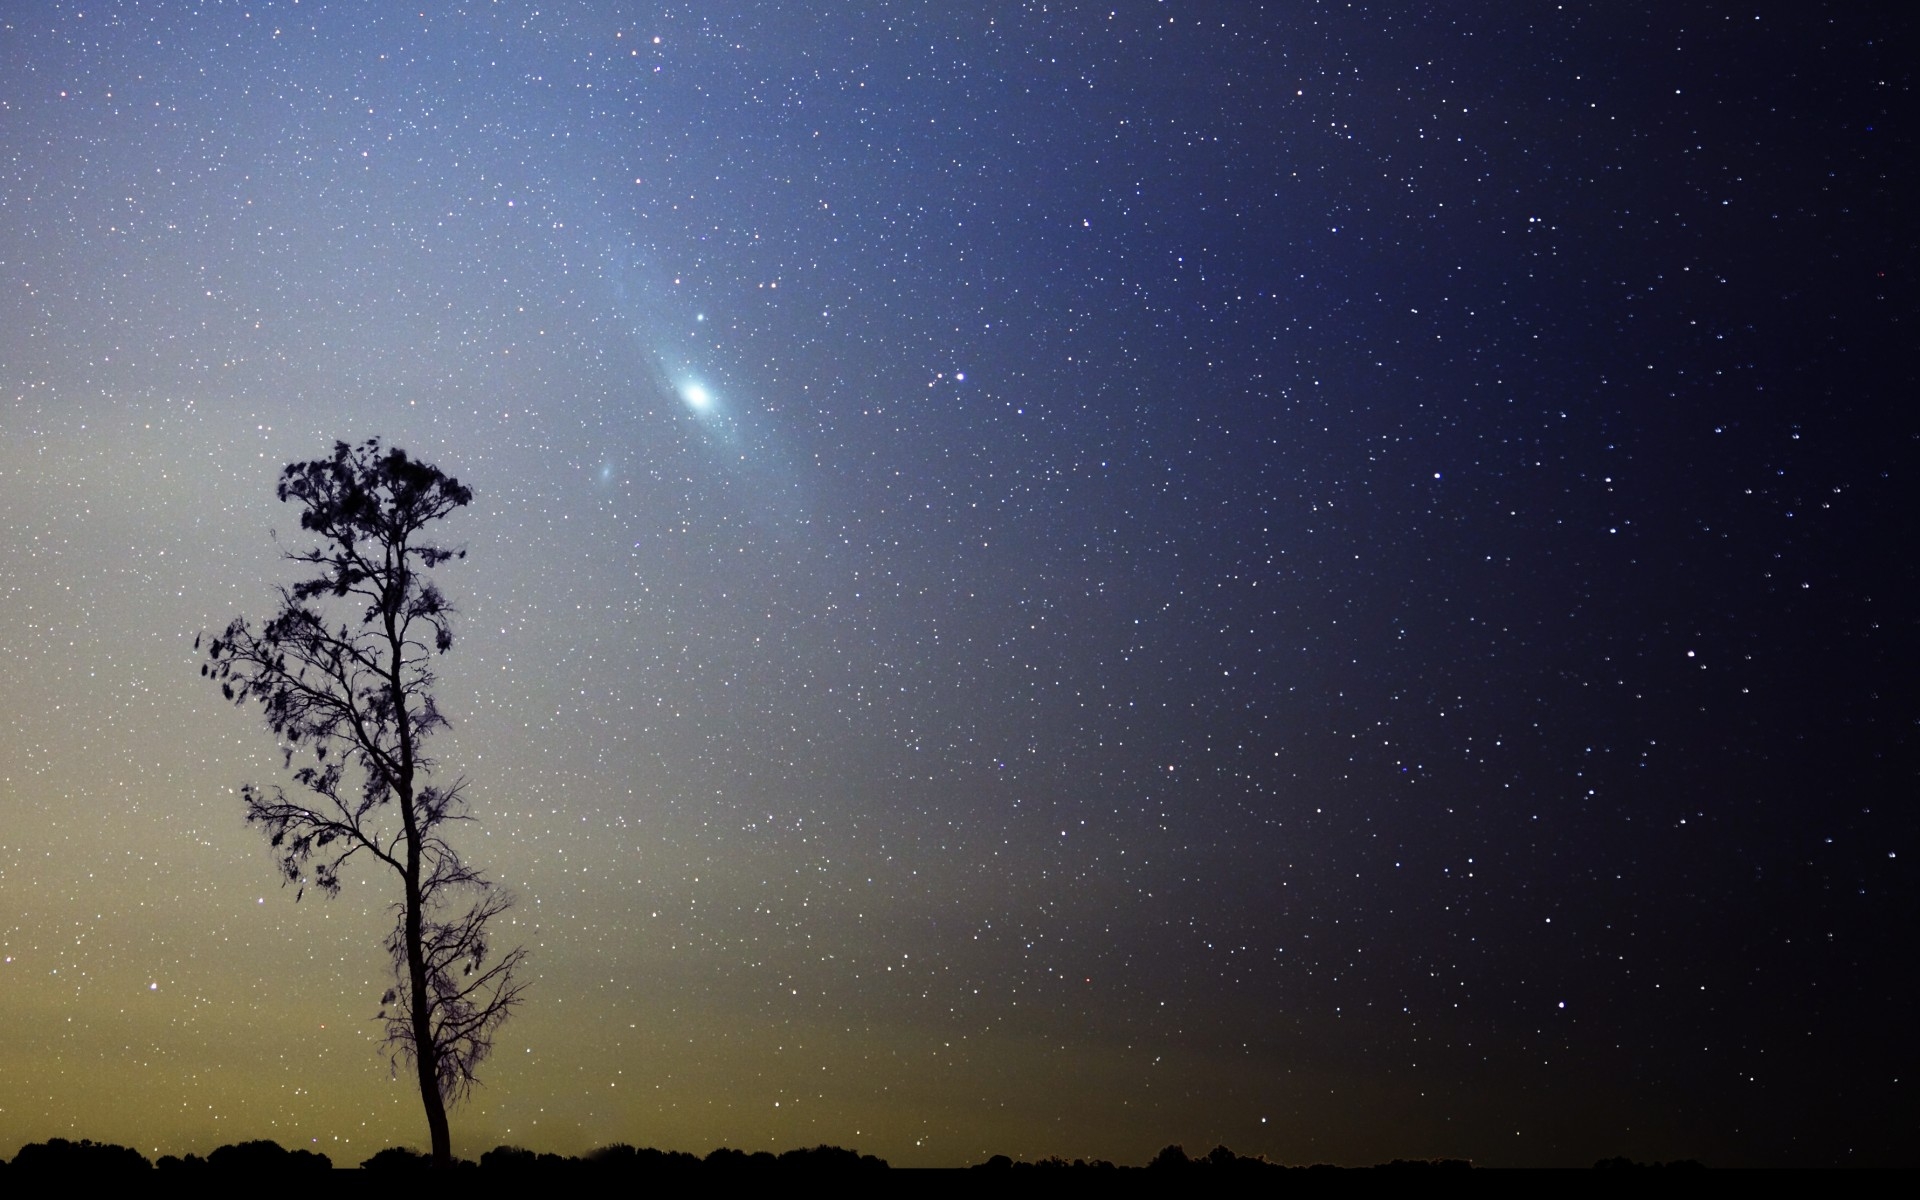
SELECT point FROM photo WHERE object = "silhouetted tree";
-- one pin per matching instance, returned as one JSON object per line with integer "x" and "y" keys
{"x": 829, "y": 1157}
{"x": 510, "y": 1158}
{"x": 398, "y": 1158}
{"x": 344, "y": 669}
{"x": 169, "y": 1162}
{"x": 82, "y": 1157}
{"x": 264, "y": 1155}
{"x": 625, "y": 1158}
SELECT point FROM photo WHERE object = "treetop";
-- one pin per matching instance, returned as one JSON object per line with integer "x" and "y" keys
{"x": 370, "y": 490}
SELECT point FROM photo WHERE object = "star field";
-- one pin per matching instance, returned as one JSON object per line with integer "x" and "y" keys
{"x": 1043, "y": 580}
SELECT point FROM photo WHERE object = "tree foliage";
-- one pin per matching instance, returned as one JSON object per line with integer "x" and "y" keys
{"x": 343, "y": 674}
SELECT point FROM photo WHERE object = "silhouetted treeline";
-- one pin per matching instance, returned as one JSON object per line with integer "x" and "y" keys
{"x": 59, "y": 1154}
{"x": 254, "y": 1156}
{"x": 84, "y": 1156}
{"x": 625, "y": 1158}
{"x": 1220, "y": 1158}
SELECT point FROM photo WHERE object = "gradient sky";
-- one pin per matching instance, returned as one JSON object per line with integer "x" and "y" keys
{"x": 1044, "y": 578}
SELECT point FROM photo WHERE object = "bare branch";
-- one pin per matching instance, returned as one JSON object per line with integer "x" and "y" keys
{"x": 468, "y": 996}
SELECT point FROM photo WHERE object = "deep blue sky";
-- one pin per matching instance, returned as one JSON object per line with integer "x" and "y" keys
{"x": 1045, "y": 579}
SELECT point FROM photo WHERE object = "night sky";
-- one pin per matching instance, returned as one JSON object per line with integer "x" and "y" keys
{"x": 1044, "y": 579}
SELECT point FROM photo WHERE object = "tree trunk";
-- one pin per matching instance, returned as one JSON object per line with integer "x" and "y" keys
{"x": 426, "y": 1059}
{"x": 426, "y": 1056}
